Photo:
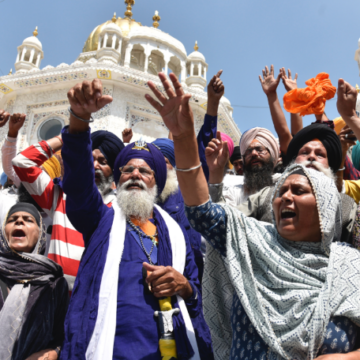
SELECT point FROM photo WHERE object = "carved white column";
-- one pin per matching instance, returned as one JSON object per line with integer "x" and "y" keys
{"x": 200, "y": 69}
{"x": 99, "y": 42}
{"x": 192, "y": 69}
{"x": 18, "y": 56}
{"x": 38, "y": 60}
{"x": 205, "y": 70}
{"x": 23, "y": 53}
{"x": 114, "y": 41}
{"x": 32, "y": 54}
{"x": 128, "y": 55}
{"x": 146, "y": 62}
{"x": 119, "y": 47}
{"x": 105, "y": 40}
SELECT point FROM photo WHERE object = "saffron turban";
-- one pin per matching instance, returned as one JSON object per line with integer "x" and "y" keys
{"x": 326, "y": 136}
{"x": 147, "y": 152}
{"x": 166, "y": 146}
{"x": 52, "y": 167}
{"x": 108, "y": 143}
{"x": 312, "y": 99}
{"x": 264, "y": 137}
{"x": 236, "y": 154}
{"x": 225, "y": 137}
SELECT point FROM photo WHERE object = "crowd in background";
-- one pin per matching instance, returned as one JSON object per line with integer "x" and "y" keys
{"x": 189, "y": 247}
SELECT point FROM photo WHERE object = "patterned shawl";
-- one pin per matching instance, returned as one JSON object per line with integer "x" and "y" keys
{"x": 289, "y": 290}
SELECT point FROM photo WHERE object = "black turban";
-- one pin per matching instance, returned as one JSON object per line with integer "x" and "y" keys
{"x": 323, "y": 133}
{"x": 236, "y": 155}
{"x": 25, "y": 207}
{"x": 108, "y": 143}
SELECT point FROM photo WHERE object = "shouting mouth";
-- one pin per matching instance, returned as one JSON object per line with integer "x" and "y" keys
{"x": 18, "y": 234}
{"x": 287, "y": 214}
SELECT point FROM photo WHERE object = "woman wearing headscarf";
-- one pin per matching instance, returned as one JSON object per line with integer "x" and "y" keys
{"x": 271, "y": 291}
{"x": 33, "y": 294}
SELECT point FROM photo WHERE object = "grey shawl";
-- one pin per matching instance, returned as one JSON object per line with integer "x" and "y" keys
{"x": 289, "y": 290}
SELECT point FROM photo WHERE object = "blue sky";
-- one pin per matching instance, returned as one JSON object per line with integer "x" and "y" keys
{"x": 238, "y": 36}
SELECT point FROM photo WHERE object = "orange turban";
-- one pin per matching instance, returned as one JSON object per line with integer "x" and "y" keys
{"x": 310, "y": 100}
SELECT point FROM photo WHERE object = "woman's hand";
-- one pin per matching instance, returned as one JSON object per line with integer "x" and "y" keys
{"x": 47, "y": 354}
{"x": 175, "y": 110}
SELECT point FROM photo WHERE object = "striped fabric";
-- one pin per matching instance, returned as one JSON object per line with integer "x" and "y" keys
{"x": 66, "y": 244}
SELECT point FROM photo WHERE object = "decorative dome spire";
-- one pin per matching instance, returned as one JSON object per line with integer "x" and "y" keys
{"x": 130, "y": 4}
{"x": 196, "y": 47}
{"x": 35, "y": 32}
{"x": 156, "y": 19}
{"x": 10, "y": 73}
{"x": 114, "y": 18}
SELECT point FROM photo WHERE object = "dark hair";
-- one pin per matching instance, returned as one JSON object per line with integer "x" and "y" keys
{"x": 25, "y": 197}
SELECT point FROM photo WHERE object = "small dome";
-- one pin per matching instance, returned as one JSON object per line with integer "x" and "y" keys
{"x": 226, "y": 101}
{"x": 112, "y": 27}
{"x": 33, "y": 41}
{"x": 196, "y": 55}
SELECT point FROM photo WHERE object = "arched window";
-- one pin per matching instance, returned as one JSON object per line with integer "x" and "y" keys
{"x": 50, "y": 128}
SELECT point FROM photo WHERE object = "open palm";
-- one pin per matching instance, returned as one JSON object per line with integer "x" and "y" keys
{"x": 175, "y": 110}
{"x": 269, "y": 83}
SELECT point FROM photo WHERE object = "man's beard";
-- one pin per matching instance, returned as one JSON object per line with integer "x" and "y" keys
{"x": 171, "y": 186}
{"x": 105, "y": 184}
{"x": 319, "y": 166}
{"x": 258, "y": 177}
{"x": 137, "y": 203}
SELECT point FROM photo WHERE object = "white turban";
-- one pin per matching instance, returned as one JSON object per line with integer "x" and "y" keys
{"x": 263, "y": 136}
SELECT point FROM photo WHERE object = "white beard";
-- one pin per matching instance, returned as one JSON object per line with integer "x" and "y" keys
{"x": 320, "y": 167}
{"x": 136, "y": 203}
{"x": 171, "y": 185}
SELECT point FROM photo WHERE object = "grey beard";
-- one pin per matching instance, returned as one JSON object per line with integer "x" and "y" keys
{"x": 258, "y": 178}
{"x": 320, "y": 167}
{"x": 105, "y": 184}
{"x": 136, "y": 203}
{"x": 171, "y": 186}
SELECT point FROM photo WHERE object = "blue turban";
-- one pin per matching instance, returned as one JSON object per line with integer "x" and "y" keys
{"x": 108, "y": 143}
{"x": 166, "y": 146}
{"x": 355, "y": 155}
{"x": 3, "y": 179}
{"x": 147, "y": 152}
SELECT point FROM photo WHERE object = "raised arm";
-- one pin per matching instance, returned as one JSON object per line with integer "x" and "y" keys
{"x": 84, "y": 204}
{"x": 178, "y": 117}
{"x": 269, "y": 85}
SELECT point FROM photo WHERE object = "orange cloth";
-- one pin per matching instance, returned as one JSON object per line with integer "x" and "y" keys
{"x": 339, "y": 124}
{"x": 148, "y": 228}
{"x": 312, "y": 99}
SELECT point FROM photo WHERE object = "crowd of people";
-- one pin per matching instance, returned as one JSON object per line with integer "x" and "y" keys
{"x": 189, "y": 247}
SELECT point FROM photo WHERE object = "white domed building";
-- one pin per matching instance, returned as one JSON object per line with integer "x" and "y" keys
{"x": 122, "y": 53}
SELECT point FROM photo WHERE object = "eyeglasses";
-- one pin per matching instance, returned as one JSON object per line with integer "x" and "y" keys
{"x": 261, "y": 150}
{"x": 144, "y": 171}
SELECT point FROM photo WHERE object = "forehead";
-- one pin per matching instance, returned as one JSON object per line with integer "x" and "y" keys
{"x": 21, "y": 213}
{"x": 314, "y": 145}
{"x": 138, "y": 162}
{"x": 296, "y": 179}
{"x": 255, "y": 143}
{"x": 97, "y": 153}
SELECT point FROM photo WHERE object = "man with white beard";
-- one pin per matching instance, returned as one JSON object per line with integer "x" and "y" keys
{"x": 135, "y": 254}
{"x": 172, "y": 201}
{"x": 315, "y": 146}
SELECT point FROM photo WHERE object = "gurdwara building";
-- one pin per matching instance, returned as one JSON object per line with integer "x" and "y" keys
{"x": 122, "y": 53}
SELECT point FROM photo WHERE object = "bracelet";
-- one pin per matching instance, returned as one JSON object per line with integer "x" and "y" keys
{"x": 342, "y": 169}
{"x": 187, "y": 170}
{"x": 215, "y": 185}
{"x": 61, "y": 140}
{"x": 79, "y": 118}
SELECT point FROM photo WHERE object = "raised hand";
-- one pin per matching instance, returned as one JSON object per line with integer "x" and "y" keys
{"x": 15, "y": 124}
{"x": 347, "y": 139}
{"x": 174, "y": 110}
{"x": 346, "y": 99}
{"x": 87, "y": 98}
{"x": 217, "y": 153}
{"x": 288, "y": 81}
{"x": 4, "y": 117}
{"x": 269, "y": 83}
{"x": 127, "y": 135}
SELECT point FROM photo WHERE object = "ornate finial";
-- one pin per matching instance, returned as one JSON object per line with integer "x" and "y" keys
{"x": 130, "y": 4}
{"x": 196, "y": 47}
{"x": 156, "y": 19}
{"x": 35, "y": 33}
{"x": 114, "y": 18}
{"x": 10, "y": 73}
{"x": 357, "y": 88}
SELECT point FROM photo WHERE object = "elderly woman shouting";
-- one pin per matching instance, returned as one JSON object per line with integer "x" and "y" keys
{"x": 281, "y": 291}
{"x": 33, "y": 287}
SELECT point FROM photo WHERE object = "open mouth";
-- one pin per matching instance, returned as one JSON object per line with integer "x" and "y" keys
{"x": 256, "y": 162}
{"x": 135, "y": 186}
{"x": 287, "y": 214}
{"x": 312, "y": 167}
{"x": 18, "y": 233}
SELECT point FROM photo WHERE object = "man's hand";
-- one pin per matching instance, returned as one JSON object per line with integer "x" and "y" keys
{"x": 127, "y": 135}
{"x": 87, "y": 98}
{"x": 15, "y": 124}
{"x": 47, "y": 354}
{"x": 175, "y": 111}
{"x": 346, "y": 99}
{"x": 215, "y": 91}
{"x": 4, "y": 117}
{"x": 269, "y": 83}
{"x": 217, "y": 156}
{"x": 166, "y": 281}
{"x": 288, "y": 81}
{"x": 347, "y": 139}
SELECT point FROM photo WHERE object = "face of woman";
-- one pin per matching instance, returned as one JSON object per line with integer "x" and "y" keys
{"x": 22, "y": 231}
{"x": 295, "y": 209}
